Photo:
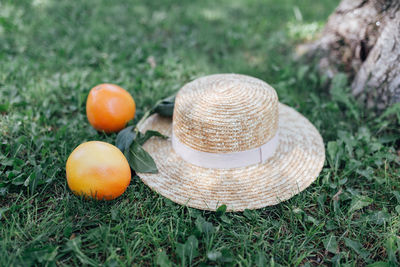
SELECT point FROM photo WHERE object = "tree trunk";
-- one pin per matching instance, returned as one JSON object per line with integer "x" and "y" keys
{"x": 362, "y": 38}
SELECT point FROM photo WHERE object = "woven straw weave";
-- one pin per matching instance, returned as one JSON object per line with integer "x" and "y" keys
{"x": 225, "y": 113}
{"x": 221, "y": 113}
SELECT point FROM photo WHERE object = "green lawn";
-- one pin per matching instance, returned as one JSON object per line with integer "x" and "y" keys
{"x": 53, "y": 52}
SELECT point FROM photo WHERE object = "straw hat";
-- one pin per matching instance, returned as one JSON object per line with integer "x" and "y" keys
{"x": 231, "y": 142}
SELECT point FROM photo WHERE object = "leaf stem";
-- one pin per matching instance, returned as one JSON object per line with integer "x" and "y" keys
{"x": 146, "y": 115}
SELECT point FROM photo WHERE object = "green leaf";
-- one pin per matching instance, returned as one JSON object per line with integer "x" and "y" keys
{"x": 331, "y": 244}
{"x": 379, "y": 264}
{"x": 302, "y": 71}
{"x": 367, "y": 173}
{"x": 379, "y": 217}
{"x": 142, "y": 138}
{"x": 260, "y": 259}
{"x": 358, "y": 202}
{"x": 125, "y": 138}
{"x": 204, "y": 227}
{"x": 333, "y": 149}
{"x": 139, "y": 159}
{"x": 19, "y": 180}
{"x": 340, "y": 93}
{"x": 74, "y": 246}
{"x": 226, "y": 256}
{"x": 67, "y": 230}
{"x": 225, "y": 219}
{"x": 3, "y": 189}
{"x": 392, "y": 245}
{"x": 339, "y": 82}
{"x": 2, "y": 211}
{"x": 33, "y": 182}
{"x": 112, "y": 262}
{"x": 166, "y": 106}
{"x": 4, "y": 107}
{"x": 46, "y": 254}
{"x": 221, "y": 210}
{"x": 181, "y": 252}
{"x": 364, "y": 133}
{"x": 163, "y": 260}
{"x": 223, "y": 256}
{"x": 357, "y": 247}
{"x": 189, "y": 249}
{"x": 349, "y": 140}
{"x": 214, "y": 255}
{"x": 392, "y": 110}
{"x": 311, "y": 219}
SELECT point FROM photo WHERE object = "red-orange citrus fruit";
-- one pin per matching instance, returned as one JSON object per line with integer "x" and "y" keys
{"x": 98, "y": 170}
{"x": 109, "y": 107}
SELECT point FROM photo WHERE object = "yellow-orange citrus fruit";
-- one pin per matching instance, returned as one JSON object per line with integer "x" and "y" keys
{"x": 109, "y": 107}
{"x": 98, "y": 170}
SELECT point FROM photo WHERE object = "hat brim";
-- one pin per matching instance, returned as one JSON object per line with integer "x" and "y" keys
{"x": 296, "y": 163}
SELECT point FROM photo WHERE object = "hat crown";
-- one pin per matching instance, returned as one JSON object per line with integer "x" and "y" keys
{"x": 225, "y": 113}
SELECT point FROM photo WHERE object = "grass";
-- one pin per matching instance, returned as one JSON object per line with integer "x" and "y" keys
{"x": 53, "y": 52}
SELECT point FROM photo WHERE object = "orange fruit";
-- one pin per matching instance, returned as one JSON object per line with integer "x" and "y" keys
{"x": 98, "y": 170}
{"x": 109, "y": 107}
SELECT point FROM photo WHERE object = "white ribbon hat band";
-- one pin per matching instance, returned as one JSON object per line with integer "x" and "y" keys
{"x": 226, "y": 160}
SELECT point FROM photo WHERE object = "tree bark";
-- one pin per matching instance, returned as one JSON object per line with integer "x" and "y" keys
{"x": 362, "y": 38}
